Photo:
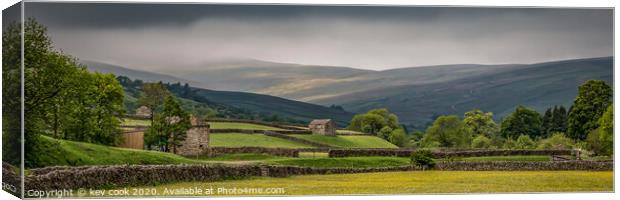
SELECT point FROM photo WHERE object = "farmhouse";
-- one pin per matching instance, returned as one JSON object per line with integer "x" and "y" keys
{"x": 323, "y": 127}
{"x": 143, "y": 111}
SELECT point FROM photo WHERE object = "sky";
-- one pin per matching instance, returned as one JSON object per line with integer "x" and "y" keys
{"x": 160, "y": 37}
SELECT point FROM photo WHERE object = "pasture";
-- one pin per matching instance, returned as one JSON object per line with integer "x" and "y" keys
{"x": 349, "y": 141}
{"x": 419, "y": 182}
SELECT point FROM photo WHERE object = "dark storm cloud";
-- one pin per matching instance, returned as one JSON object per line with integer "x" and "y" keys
{"x": 186, "y": 35}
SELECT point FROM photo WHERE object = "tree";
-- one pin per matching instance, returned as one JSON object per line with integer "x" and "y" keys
{"x": 398, "y": 137}
{"x": 481, "y": 123}
{"x": 547, "y": 121}
{"x": 559, "y": 120}
{"x": 523, "y": 121}
{"x": 423, "y": 159}
{"x": 600, "y": 141}
{"x": 373, "y": 121}
{"x": 448, "y": 131}
{"x": 556, "y": 141}
{"x": 593, "y": 98}
{"x": 524, "y": 142}
{"x": 481, "y": 142}
{"x": 170, "y": 126}
{"x": 153, "y": 95}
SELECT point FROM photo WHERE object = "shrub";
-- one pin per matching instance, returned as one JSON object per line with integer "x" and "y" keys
{"x": 423, "y": 158}
{"x": 525, "y": 142}
{"x": 481, "y": 142}
{"x": 556, "y": 141}
{"x": 600, "y": 143}
{"x": 510, "y": 144}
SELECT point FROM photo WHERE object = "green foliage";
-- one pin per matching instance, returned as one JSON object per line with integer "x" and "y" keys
{"x": 62, "y": 99}
{"x": 556, "y": 141}
{"x": 170, "y": 126}
{"x": 481, "y": 142}
{"x": 593, "y": 98}
{"x": 523, "y": 121}
{"x": 481, "y": 123}
{"x": 382, "y": 123}
{"x": 398, "y": 137}
{"x": 423, "y": 158}
{"x": 601, "y": 141}
{"x": 447, "y": 131}
{"x": 153, "y": 96}
{"x": 524, "y": 142}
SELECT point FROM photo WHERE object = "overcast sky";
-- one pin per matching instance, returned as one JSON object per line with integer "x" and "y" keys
{"x": 169, "y": 36}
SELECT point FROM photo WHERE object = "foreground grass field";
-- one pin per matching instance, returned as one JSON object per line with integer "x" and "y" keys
{"x": 349, "y": 162}
{"x": 236, "y": 125}
{"x": 251, "y": 140}
{"x": 349, "y": 141}
{"x": 63, "y": 152}
{"x": 420, "y": 182}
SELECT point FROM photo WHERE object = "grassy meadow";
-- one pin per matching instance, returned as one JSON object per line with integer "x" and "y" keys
{"x": 349, "y": 141}
{"x": 421, "y": 182}
{"x": 251, "y": 140}
{"x": 238, "y": 125}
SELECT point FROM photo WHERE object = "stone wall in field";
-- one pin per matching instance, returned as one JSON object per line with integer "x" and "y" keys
{"x": 253, "y": 131}
{"x": 216, "y": 151}
{"x": 442, "y": 154}
{"x": 139, "y": 175}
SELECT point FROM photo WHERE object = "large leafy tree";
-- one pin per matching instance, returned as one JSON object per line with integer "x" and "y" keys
{"x": 153, "y": 95}
{"x": 170, "y": 126}
{"x": 593, "y": 98}
{"x": 374, "y": 120}
{"x": 601, "y": 140}
{"x": 481, "y": 123}
{"x": 523, "y": 121}
{"x": 448, "y": 131}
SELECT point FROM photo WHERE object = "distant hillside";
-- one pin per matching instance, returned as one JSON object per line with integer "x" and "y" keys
{"x": 231, "y": 104}
{"x": 538, "y": 86}
{"x": 134, "y": 74}
{"x": 416, "y": 94}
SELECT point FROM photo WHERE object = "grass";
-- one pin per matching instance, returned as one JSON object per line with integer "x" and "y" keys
{"x": 349, "y": 141}
{"x": 63, "y": 152}
{"x": 349, "y": 162}
{"x": 135, "y": 122}
{"x": 502, "y": 158}
{"x": 237, "y": 125}
{"x": 253, "y": 140}
{"x": 349, "y": 132}
{"x": 416, "y": 182}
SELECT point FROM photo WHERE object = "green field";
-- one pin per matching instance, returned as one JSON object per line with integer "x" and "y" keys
{"x": 251, "y": 140}
{"x": 136, "y": 122}
{"x": 416, "y": 182}
{"x": 349, "y": 141}
{"x": 349, "y": 162}
{"x": 344, "y": 131}
{"x": 63, "y": 152}
{"x": 238, "y": 125}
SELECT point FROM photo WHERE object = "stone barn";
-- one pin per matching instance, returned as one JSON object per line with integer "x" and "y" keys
{"x": 323, "y": 127}
{"x": 143, "y": 111}
{"x": 196, "y": 140}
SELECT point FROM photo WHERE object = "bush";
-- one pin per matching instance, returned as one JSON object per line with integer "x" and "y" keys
{"x": 556, "y": 141}
{"x": 525, "y": 142}
{"x": 423, "y": 158}
{"x": 600, "y": 143}
{"x": 510, "y": 144}
{"x": 481, "y": 142}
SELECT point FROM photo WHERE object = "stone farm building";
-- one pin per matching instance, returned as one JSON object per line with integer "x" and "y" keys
{"x": 323, "y": 127}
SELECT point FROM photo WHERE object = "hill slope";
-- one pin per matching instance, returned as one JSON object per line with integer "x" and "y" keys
{"x": 419, "y": 94}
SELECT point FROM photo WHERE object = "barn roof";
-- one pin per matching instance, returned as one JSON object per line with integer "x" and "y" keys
{"x": 320, "y": 121}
